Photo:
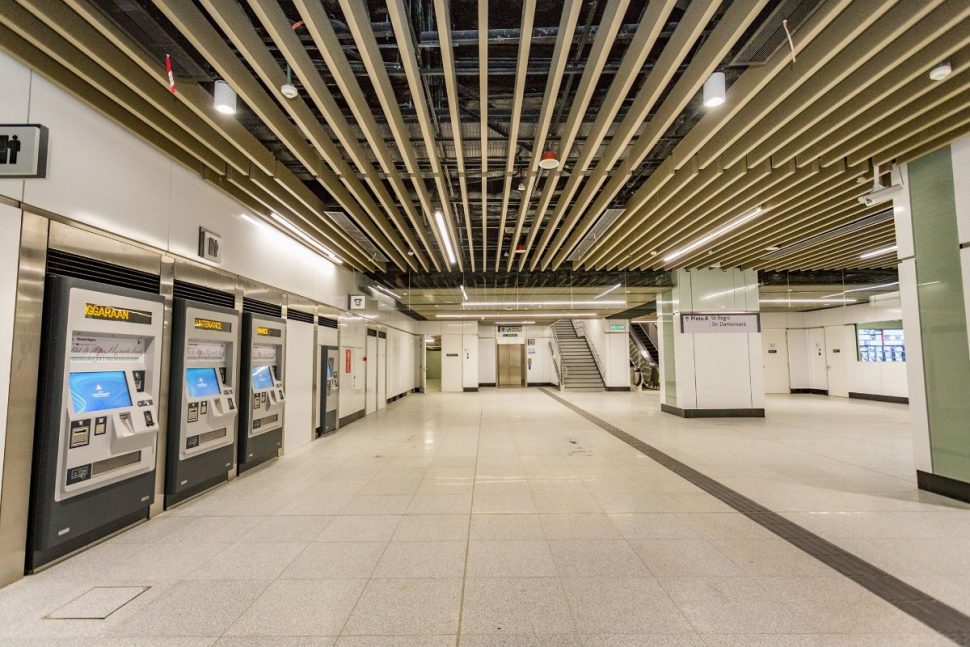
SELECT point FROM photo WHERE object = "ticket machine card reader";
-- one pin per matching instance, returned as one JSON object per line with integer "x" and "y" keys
{"x": 203, "y": 403}
{"x": 97, "y": 423}
{"x": 261, "y": 395}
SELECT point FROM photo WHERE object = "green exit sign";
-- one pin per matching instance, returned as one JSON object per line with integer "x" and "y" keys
{"x": 617, "y": 327}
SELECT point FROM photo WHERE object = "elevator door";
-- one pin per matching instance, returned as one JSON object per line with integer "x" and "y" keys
{"x": 511, "y": 362}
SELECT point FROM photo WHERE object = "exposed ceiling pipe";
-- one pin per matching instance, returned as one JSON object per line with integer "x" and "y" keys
{"x": 483, "y": 133}
{"x": 602, "y": 44}
{"x": 698, "y": 14}
{"x": 359, "y": 22}
{"x": 651, "y": 22}
{"x": 278, "y": 26}
{"x": 398, "y": 16}
{"x": 319, "y": 26}
{"x": 567, "y": 25}
{"x": 448, "y": 63}
{"x": 528, "y": 14}
{"x": 204, "y": 37}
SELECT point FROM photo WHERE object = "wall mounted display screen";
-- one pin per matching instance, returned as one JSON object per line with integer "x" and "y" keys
{"x": 878, "y": 344}
{"x": 202, "y": 382}
{"x": 262, "y": 377}
{"x": 98, "y": 391}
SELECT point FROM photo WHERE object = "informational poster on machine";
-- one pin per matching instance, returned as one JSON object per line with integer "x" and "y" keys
{"x": 531, "y": 347}
{"x": 745, "y": 322}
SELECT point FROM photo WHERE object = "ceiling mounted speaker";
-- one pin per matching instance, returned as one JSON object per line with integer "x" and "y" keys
{"x": 714, "y": 90}
{"x": 549, "y": 160}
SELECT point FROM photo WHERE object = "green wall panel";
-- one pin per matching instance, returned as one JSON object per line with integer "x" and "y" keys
{"x": 943, "y": 324}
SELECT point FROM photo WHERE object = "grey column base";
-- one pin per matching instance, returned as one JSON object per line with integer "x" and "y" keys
{"x": 713, "y": 413}
{"x": 898, "y": 399}
{"x": 943, "y": 485}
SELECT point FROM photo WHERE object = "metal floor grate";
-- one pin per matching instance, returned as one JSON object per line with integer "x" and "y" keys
{"x": 933, "y": 613}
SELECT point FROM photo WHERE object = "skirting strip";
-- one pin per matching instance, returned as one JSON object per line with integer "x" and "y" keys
{"x": 943, "y": 485}
{"x": 713, "y": 413}
{"x": 898, "y": 399}
{"x": 810, "y": 391}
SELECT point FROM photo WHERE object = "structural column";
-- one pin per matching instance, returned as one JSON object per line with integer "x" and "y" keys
{"x": 932, "y": 214}
{"x": 710, "y": 345}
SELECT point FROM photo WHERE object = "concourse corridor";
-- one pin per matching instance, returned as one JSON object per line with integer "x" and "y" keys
{"x": 507, "y": 518}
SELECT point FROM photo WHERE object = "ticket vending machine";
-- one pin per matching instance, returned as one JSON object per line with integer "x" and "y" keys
{"x": 97, "y": 415}
{"x": 329, "y": 384}
{"x": 261, "y": 394}
{"x": 202, "y": 411}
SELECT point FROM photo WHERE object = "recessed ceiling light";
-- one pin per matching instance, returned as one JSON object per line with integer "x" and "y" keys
{"x": 773, "y": 248}
{"x": 941, "y": 71}
{"x": 440, "y": 221}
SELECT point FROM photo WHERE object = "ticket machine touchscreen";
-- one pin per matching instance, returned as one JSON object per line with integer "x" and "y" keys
{"x": 262, "y": 396}
{"x": 97, "y": 423}
{"x": 203, "y": 405}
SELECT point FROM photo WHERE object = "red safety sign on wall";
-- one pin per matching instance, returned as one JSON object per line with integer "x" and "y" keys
{"x": 347, "y": 361}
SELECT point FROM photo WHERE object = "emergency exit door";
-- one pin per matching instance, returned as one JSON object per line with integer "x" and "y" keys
{"x": 511, "y": 365}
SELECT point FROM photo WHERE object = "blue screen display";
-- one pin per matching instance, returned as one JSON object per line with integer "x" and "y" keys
{"x": 98, "y": 391}
{"x": 262, "y": 377}
{"x": 202, "y": 382}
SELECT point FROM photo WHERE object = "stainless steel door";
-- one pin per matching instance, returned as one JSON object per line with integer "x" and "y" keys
{"x": 510, "y": 364}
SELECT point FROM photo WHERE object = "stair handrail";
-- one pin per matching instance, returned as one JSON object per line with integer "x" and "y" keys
{"x": 561, "y": 369}
{"x": 580, "y": 327}
{"x": 557, "y": 362}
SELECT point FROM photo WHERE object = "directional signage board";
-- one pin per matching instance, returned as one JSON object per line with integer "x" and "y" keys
{"x": 746, "y": 322}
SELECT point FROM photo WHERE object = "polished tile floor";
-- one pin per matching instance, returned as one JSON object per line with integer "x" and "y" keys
{"x": 503, "y": 518}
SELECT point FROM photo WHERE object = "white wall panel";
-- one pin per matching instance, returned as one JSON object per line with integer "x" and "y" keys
{"x": 486, "y": 360}
{"x": 469, "y": 359}
{"x": 775, "y": 354}
{"x": 720, "y": 372}
{"x": 798, "y": 358}
{"x": 451, "y": 362}
{"x": 14, "y": 109}
{"x": 298, "y": 381}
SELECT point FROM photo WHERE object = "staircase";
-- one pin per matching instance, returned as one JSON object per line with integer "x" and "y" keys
{"x": 580, "y": 367}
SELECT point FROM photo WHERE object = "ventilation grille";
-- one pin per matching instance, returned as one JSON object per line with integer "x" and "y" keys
{"x": 327, "y": 322}
{"x": 818, "y": 239}
{"x": 261, "y": 307}
{"x": 371, "y": 333}
{"x": 605, "y": 222}
{"x": 193, "y": 292}
{"x": 766, "y": 40}
{"x": 347, "y": 225}
{"x": 82, "y": 267}
{"x": 299, "y": 315}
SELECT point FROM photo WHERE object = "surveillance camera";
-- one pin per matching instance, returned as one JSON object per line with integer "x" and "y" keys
{"x": 289, "y": 90}
{"x": 879, "y": 195}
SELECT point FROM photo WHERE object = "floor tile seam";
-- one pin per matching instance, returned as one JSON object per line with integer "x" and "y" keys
{"x": 368, "y": 579}
{"x": 468, "y": 537}
{"x": 675, "y": 466}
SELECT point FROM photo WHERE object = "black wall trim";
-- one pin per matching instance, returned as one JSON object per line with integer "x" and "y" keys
{"x": 617, "y": 388}
{"x": 919, "y": 605}
{"x": 943, "y": 485}
{"x": 481, "y": 384}
{"x": 713, "y": 413}
{"x": 470, "y": 389}
{"x": 346, "y": 420}
{"x": 398, "y": 396}
{"x": 545, "y": 384}
{"x": 810, "y": 391}
{"x": 898, "y": 399}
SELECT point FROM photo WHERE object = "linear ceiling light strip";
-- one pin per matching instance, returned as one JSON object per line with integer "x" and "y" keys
{"x": 483, "y": 124}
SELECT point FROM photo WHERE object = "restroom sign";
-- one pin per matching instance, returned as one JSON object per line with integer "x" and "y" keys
{"x": 23, "y": 151}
